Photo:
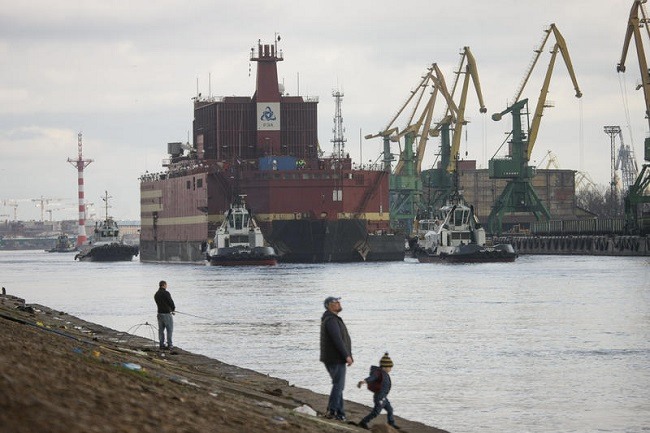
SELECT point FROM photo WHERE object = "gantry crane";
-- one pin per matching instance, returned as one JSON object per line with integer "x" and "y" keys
{"x": 621, "y": 159}
{"x": 440, "y": 181}
{"x": 14, "y": 204}
{"x": 519, "y": 194}
{"x": 626, "y": 163}
{"x": 637, "y": 197}
{"x": 43, "y": 203}
{"x": 405, "y": 183}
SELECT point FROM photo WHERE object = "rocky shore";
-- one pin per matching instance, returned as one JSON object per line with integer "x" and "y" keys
{"x": 59, "y": 373}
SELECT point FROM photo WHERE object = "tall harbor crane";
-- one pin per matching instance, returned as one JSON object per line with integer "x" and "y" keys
{"x": 622, "y": 160}
{"x": 14, "y": 203}
{"x": 637, "y": 197}
{"x": 470, "y": 72}
{"x": 405, "y": 183}
{"x": 43, "y": 203}
{"x": 440, "y": 181}
{"x": 583, "y": 181}
{"x": 552, "y": 160}
{"x": 519, "y": 194}
{"x": 626, "y": 163}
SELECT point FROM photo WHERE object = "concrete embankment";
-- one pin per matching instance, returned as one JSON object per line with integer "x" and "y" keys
{"x": 59, "y": 373}
{"x": 579, "y": 245}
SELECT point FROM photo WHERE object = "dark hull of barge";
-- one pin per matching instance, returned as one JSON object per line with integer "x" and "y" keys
{"x": 294, "y": 209}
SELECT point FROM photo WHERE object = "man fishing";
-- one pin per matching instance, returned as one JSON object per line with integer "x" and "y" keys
{"x": 166, "y": 310}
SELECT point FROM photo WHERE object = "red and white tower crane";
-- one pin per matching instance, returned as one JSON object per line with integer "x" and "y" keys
{"x": 81, "y": 164}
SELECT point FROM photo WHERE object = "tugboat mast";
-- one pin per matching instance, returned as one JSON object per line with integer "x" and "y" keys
{"x": 106, "y": 206}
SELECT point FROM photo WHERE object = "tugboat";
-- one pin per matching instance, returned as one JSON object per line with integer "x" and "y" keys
{"x": 239, "y": 240}
{"x": 107, "y": 245}
{"x": 63, "y": 245}
{"x": 456, "y": 236}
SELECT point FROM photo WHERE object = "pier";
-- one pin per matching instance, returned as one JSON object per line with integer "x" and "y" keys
{"x": 596, "y": 245}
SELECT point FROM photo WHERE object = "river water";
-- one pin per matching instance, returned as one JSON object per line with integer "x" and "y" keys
{"x": 545, "y": 344}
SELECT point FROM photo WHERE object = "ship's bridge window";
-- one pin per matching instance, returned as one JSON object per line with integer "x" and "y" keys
{"x": 427, "y": 225}
{"x": 461, "y": 216}
{"x": 237, "y": 221}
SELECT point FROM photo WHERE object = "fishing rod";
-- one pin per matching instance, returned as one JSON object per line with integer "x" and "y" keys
{"x": 193, "y": 315}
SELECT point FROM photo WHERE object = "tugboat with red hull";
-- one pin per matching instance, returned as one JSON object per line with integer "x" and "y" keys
{"x": 309, "y": 209}
{"x": 239, "y": 240}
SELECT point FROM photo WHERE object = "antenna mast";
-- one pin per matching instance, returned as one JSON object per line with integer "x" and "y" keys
{"x": 81, "y": 164}
{"x": 338, "y": 130}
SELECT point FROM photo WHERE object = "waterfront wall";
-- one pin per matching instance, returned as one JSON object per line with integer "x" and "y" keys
{"x": 603, "y": 245}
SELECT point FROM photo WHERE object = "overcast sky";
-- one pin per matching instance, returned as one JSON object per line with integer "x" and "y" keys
{"x": 123, "y": 74}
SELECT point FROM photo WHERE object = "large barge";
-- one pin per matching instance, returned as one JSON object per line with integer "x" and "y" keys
{"x": 310, "y": 209}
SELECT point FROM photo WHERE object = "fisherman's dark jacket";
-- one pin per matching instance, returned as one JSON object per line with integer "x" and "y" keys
{"x": 164, "y": 301}
{"x": 335, "y": 342}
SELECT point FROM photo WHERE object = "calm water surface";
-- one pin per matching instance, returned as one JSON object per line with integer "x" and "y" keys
{"x": 546, "y": 344}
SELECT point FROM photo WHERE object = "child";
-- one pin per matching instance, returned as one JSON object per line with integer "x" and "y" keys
{"x": 379, "y": 383}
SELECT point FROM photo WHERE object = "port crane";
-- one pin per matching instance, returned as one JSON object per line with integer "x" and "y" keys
{"x": 43, "y": 203}
{"x": 405, "y": 183}
{"x": 584, "y": 182}
{"x": 519, "y": 194}
{"x": 626, "y": 163}
{"x": 14, "y": 204}
{"x": 552, "y": 160}
{"x": 406, "y": 180}
{"x": 637, "y": 197}
{"x": 622, "y": 159}
{"x": 440, "y": 181}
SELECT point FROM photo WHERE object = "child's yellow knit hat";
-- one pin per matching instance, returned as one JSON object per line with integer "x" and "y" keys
{"x": 386, "y": 361}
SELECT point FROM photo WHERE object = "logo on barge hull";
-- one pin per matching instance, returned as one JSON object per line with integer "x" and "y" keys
{"x": 268, "y": 116}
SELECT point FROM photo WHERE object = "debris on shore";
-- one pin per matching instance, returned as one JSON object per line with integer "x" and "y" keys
{"x": 62, "y": 374}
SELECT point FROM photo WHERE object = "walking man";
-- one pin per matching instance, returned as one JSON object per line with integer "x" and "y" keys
{"x": 166, "y": 309}
{"x": 335, "y": 353}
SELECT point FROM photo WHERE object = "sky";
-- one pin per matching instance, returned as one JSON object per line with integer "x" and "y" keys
{"x": 124, "y": 73}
